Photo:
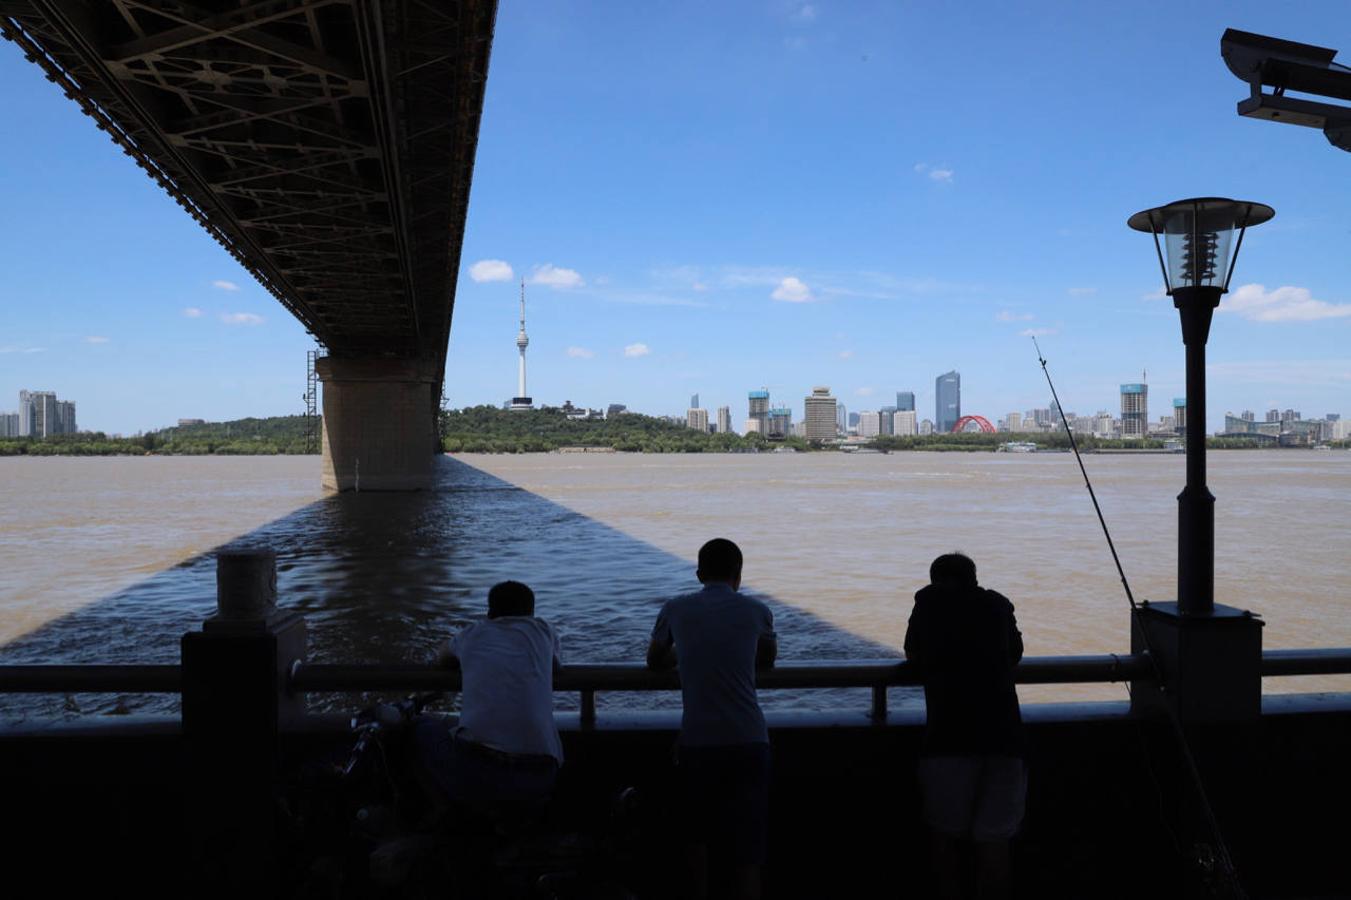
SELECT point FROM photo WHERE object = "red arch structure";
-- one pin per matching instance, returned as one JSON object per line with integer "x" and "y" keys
{"x": 983, "y": 422}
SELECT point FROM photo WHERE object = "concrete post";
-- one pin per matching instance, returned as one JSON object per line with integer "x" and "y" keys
{"x": 1211, "y": 664}
{"x": 235, "y": 703}
{"x": 379, "y": 424}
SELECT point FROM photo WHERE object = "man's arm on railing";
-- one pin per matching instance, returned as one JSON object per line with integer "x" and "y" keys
{"x": 446, "y": 658}
{"x": 766, "y": 651}
{"x": 661, "y": 655}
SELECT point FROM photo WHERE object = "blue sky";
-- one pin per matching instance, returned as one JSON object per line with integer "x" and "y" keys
{"x": 714, "y": 198}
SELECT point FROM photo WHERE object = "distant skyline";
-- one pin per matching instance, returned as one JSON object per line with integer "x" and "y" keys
{"x": 710, "y": 200}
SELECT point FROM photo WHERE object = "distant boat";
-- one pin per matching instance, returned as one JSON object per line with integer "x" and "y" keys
{"x": 1018, "y": 447}
{"x": 1173, "y": 446}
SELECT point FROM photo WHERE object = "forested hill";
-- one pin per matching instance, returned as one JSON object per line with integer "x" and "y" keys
{"x": 490, "y": 429}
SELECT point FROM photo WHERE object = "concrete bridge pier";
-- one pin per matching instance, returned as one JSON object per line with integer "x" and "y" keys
{"x": 379, "y": 424}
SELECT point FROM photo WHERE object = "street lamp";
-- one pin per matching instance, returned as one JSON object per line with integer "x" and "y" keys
{"x": 1197, "y": 234}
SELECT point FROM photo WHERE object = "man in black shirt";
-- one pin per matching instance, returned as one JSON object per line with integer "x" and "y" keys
{"x": 964, "y": 641}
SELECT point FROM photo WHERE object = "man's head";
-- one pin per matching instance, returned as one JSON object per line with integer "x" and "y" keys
{"x": 720, "y": 561}
{"x": 510, "y": 598}
{"x": 953, "y": 570}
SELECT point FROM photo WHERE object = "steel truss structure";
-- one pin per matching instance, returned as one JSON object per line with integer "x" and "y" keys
{"x": 327, "y": 145}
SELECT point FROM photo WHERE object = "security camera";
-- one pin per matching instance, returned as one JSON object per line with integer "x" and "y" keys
{"x": 1283, "y": 66}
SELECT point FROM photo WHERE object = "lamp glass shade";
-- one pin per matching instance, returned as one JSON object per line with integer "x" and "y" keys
{"x": 1198, "y": 236}
{"x": 1197, "y": 258}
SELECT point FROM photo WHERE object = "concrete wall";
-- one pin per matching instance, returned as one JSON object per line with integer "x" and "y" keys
{"x": 1108, "y": 803}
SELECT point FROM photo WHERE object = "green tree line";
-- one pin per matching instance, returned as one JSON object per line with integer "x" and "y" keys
{"x": 240, "y": 437}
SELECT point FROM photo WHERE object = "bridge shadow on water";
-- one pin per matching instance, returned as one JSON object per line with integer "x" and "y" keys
{"x": 384, "y": 577}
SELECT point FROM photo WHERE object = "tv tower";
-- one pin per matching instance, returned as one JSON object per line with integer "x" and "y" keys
{"x": 522, "y": 400}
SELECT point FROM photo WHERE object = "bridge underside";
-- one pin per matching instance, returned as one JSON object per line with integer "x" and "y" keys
{"x": 327, "y": 145}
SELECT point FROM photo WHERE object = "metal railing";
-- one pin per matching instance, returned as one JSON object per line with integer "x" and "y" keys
{"x": 589, "y": 679}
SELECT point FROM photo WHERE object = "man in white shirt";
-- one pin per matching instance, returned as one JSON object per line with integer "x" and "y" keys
{"x": 501, "y": 760}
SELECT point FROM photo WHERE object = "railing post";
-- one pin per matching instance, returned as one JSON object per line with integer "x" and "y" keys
{"x": 235, "y": 701}
{"x": 878, "y": 713}
{"x": 588, "y": 711}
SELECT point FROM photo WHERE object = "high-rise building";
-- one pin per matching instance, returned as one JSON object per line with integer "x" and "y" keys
{"x": 886, "y": 413}
{"x": 1134, "y": 410}
{"x": 754, "y": 426}
{"x": 65, "y": 417}
{"x": 1103, "y": 426}
{"x": 905, "y": 400}
{"x": 1273, "y": 415}
{"x": 926, "y": 427}
{"x": 869, "y": 423}
{"x": 694, "y": 401}
{"x": 780, "y": 422}
{"x": 1333, "y": 417}
{"x": 38, "y": 415}
{"x": 9, "y": 425}
{"x": 819, "y": 415}
{"x": 522, "y": 399}
{"x": 853, "y": 421}
{"x": 25, "y": 414}
{"x": 1290, "y": 415}
{"x": 1180, "y": 415}
{"x": 1247, "y": 415}
{"x": 724, "y": 420}
{"x": 947, "y": 400}
{"x": 841, "y": 418}
{"x": 904, "y": 423}
{"x": 758, "y": 409}
{"x": 697, "y": 418}
{"x": 1014, "y": 421}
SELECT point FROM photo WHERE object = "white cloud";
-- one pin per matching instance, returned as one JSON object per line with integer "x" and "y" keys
{"x": 1284, "y": 304}
{"x": 940, "y": 174}
{"x": 792, "y": 290}
{"x": 1009, "y": 316}
{"x": 491, "y": 270}
{"x": 16, "y": 349}
{"x": 1036, "y": 332}
{"x": 580, "y": 353}
{"x": 554, "y": 277}
{"x": 846, "y": 354}
{"x": 241, "y": 318}
{"x": 633, "y": 351}
{"x": 1082, "y": 291}
{"x": 224, "y": 285}
{"x": 193, "y": 312}
{"x": 864, "y": 392}
{"x": 804, "y": 14}
{"x": 96, "y": 339}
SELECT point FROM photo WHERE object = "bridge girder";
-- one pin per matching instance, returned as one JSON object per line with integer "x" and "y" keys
{"x": 327, "y": 145}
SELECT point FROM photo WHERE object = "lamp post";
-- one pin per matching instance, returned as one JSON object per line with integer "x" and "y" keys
{"x": 1197, "y": 234}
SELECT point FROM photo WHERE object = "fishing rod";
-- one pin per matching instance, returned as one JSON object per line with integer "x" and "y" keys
{"x": 1227, "y": 871}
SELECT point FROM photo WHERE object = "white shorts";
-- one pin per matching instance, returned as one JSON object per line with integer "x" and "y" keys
{"x": 977, "y": 798}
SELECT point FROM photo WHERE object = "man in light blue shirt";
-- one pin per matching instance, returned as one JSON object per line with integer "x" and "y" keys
{"x": 717, "y": 638}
